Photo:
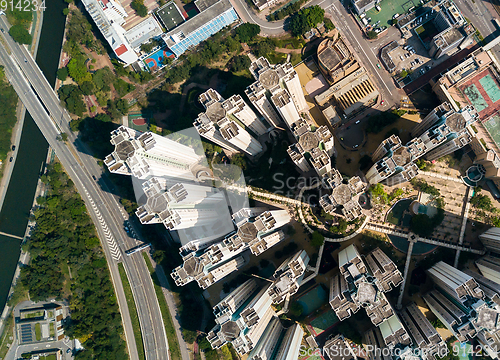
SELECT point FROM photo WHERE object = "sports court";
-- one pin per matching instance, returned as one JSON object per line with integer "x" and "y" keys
{"x": 313, "y": 300}
{"x": 483, "y": 92}
{"x": 155, "y": 60}
{"x": 388, "y": 8}
{"x": 138, "y": 121}
{"x": 493, "y": 127}
{"x": 323, "y": 322}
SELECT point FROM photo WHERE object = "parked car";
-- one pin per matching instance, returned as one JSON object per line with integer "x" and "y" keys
{"x": 357, "y": 122}
{"x": 378, "y": 65}
{"x": 13, "y": 147}
{"x": 382, "y": 102}
{"x": 11, "y": 158}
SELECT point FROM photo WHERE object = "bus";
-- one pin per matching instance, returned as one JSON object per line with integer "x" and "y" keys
{"x": 137, "y": 249}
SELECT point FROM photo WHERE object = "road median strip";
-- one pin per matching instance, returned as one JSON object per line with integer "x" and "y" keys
{"x": 133, "y": 312}
{"x": 173, "y": 344}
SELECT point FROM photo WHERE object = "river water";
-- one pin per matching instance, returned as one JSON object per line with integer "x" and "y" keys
{"x": 31, "y": 154}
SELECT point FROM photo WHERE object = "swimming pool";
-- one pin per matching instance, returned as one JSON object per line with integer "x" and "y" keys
{"x": 313, "y": 300}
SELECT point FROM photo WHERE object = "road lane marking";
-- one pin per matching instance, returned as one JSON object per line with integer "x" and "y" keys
{"x": 359, "y": 45}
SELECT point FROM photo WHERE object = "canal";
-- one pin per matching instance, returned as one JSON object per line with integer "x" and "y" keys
{"x": 31, "y": 154}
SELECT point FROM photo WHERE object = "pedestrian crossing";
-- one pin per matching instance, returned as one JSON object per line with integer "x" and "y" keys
{"x": 113, "y": 246}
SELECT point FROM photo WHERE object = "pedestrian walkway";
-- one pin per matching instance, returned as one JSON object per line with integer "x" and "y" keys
{"x": 12, "y": 236}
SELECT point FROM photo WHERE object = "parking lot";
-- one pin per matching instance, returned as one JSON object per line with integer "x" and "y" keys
{"x": 389, "y": 8}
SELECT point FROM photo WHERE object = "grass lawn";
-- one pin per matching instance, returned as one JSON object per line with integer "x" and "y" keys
{"x": 173, "y": 344}
{"x": 52, "y": 329}
{"x": 51, "y": 357}
{"x": 133, "y": 312}
{"x": 33, "y": 314}
{"x": 38, "y": 332}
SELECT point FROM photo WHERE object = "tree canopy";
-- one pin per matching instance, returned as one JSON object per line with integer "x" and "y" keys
{"x": 71, "y": 97}
{"x": 139, "y": 7}
{"x": 239, "y": 63}
{"x": 482, "y": 202}
{"x": 317, "y": 239}
{"x": 20, "y": 34}
{"x": 65, "y": 238}
{"x": 247, "y": 31}
{"x": 305, "y": 19}
{"x": 371, "y": 35}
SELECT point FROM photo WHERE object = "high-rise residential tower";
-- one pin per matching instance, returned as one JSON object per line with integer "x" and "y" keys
{"x": 216, "y": 124}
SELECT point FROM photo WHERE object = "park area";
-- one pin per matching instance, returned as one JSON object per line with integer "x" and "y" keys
{"x": 388, "y": 8}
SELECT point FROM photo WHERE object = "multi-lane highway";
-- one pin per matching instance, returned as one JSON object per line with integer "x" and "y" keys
{"x": 107, "y": 214}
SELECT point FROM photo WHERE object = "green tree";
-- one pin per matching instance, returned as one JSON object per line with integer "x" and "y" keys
{"x": 299, "y": 25}
{"x": 239, "y": 63}
{"x": 371, "y": 35}
{"x": 87, "y": 88}
{"x": 482, "y": 202}
{"x": 378, "y": 193}
{"x": 265, "y": 47}
{"x": 139, "y": 7}
{"x": 65, "y": 11}
{"x": 71, "y": 97}
{"x": 62, "y": 73}
{"x": 247, "y": 32}
{"x": 159, "y": 256}
{"x": 317, "y": 239}
{"x": 78, "y": 71}
{"x": 20, "y": 34}
{"x": 403, "y": 74}
{"x": 296, "y": 309}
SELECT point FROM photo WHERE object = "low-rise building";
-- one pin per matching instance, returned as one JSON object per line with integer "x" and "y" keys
{"x": 352, "y": 93}
{"x": 335, "y": 60}
{"x": 214, "y": 16}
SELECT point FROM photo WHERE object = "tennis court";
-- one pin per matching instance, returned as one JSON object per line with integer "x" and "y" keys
{"x": 475, "y": 97}
{"x": 491, "y": 87}
{"x": 388, "y": 8}
{"x": 155, "y": 60}
{"x": 323, "y": 322}
{"x": 138, "y": 121}
{"x": 493, "y": 127}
